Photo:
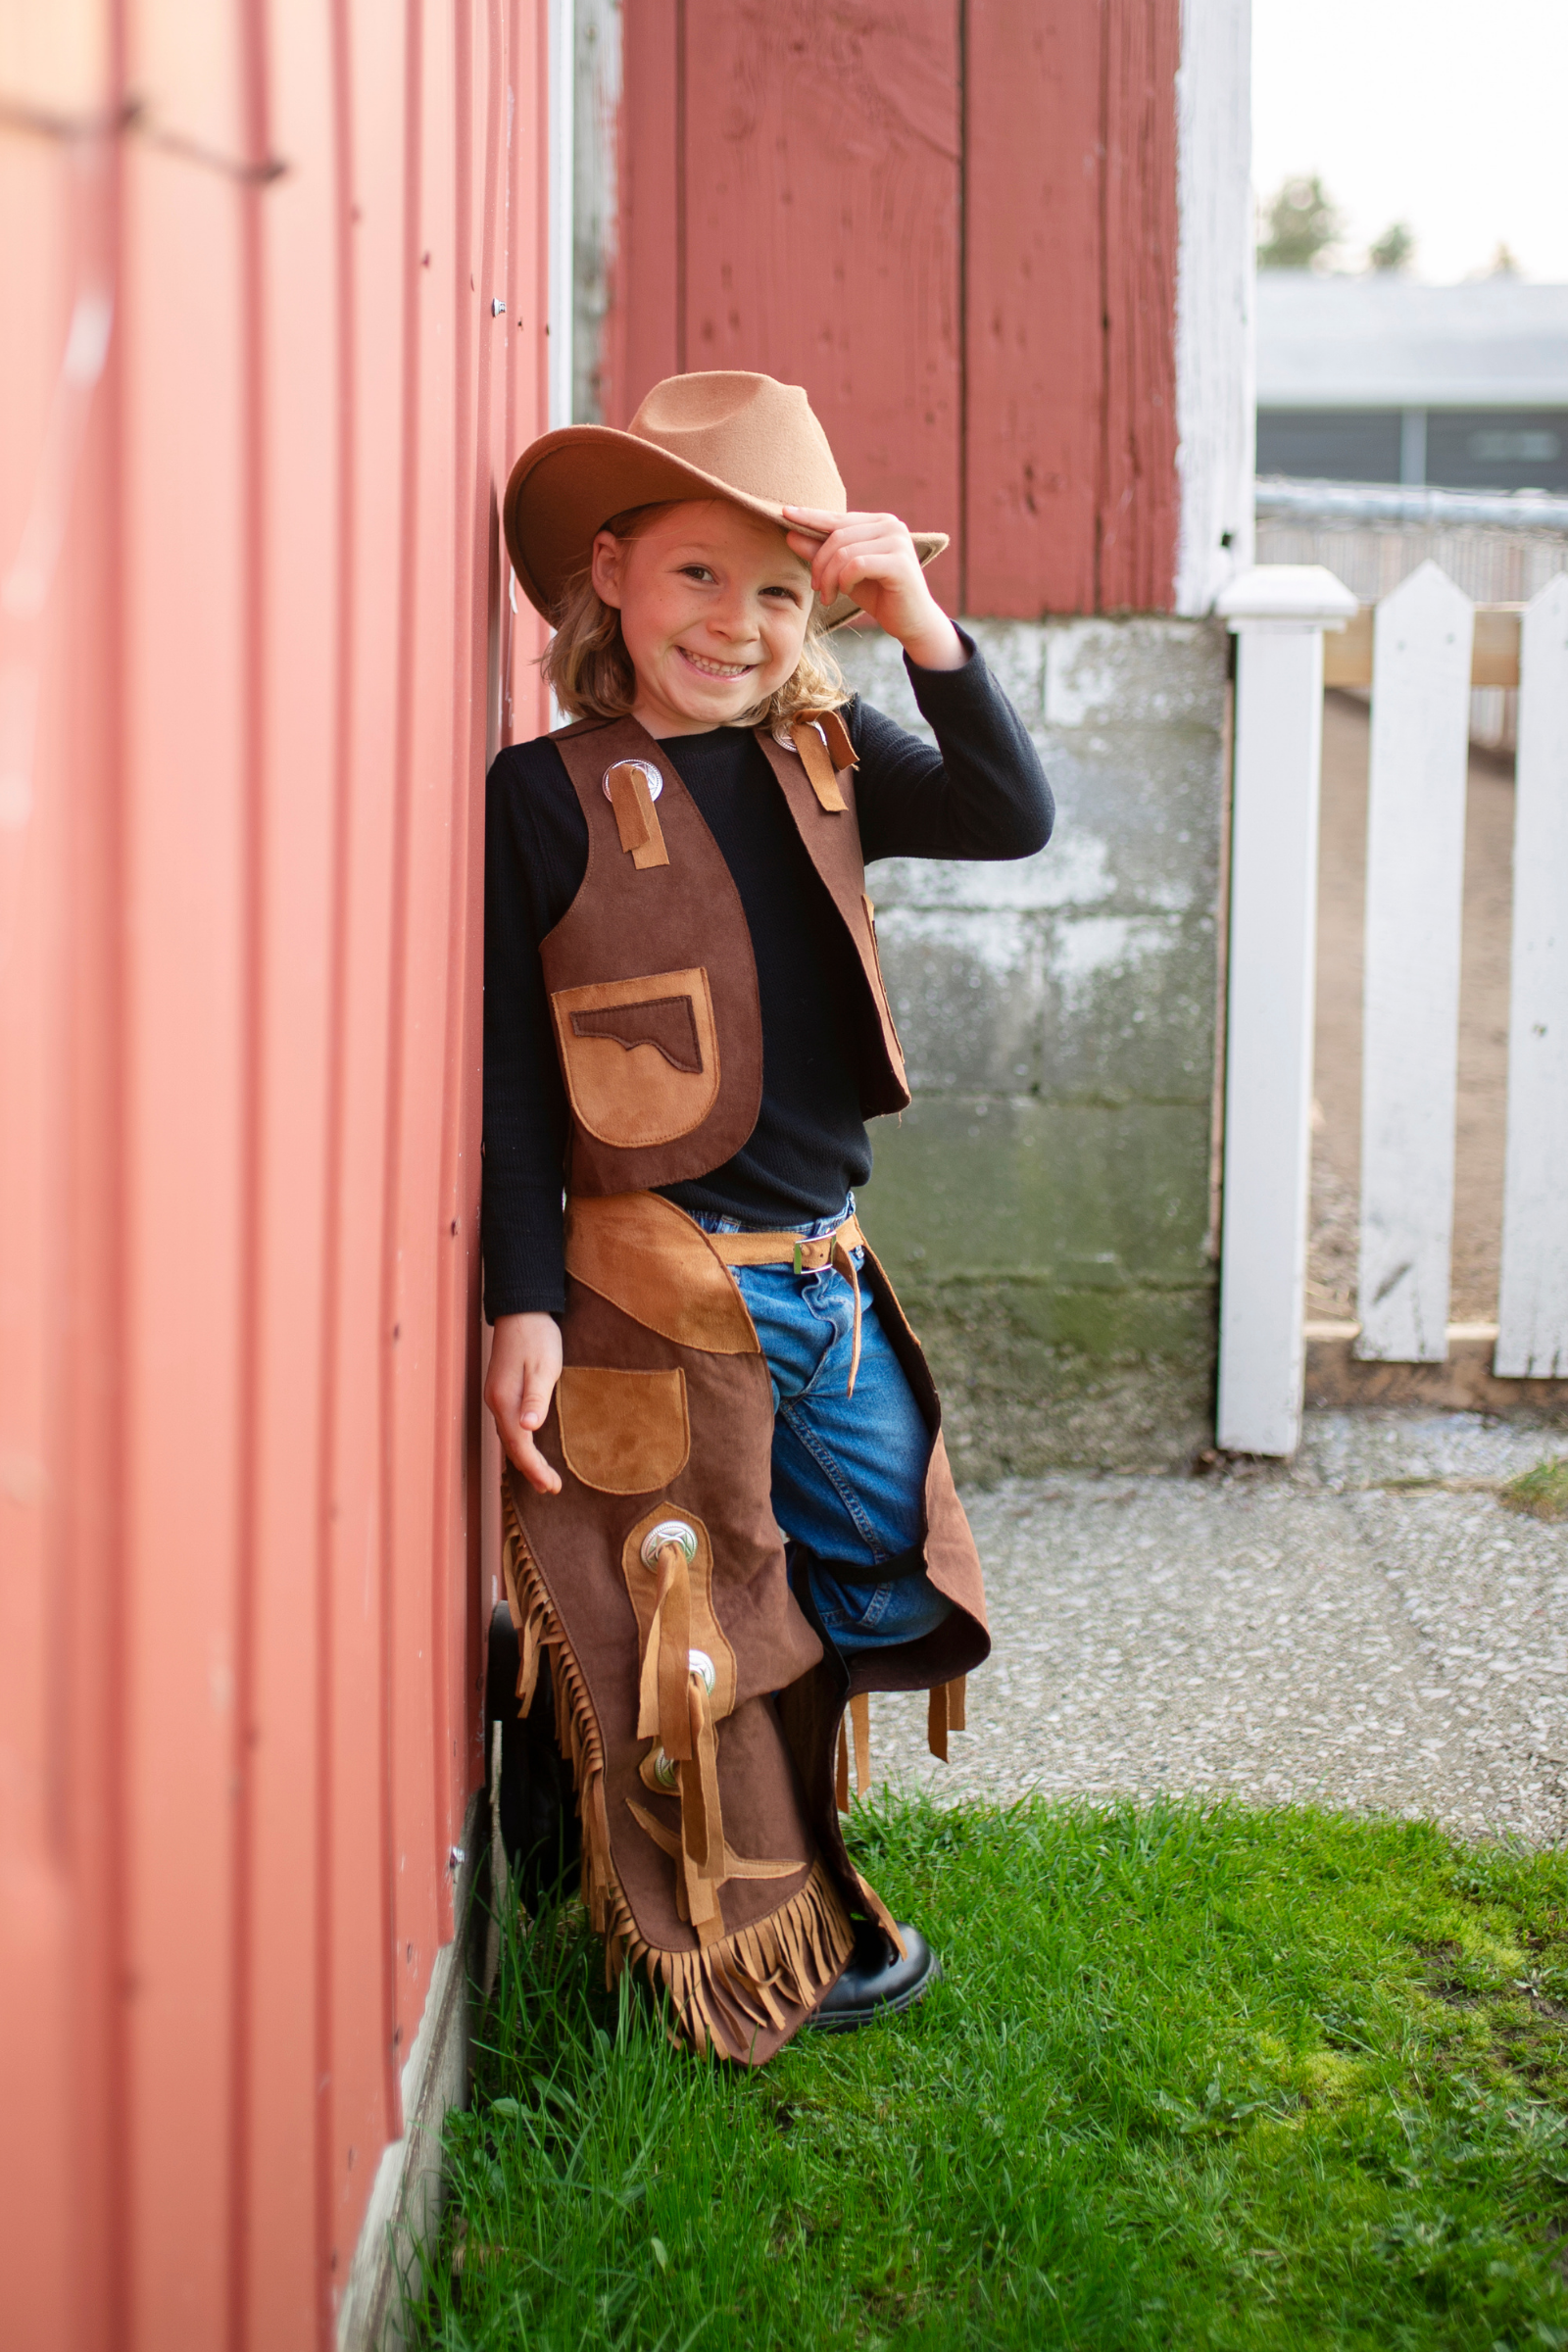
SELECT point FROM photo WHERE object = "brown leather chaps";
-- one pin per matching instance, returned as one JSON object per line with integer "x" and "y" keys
{"x": 700, "y": 1710}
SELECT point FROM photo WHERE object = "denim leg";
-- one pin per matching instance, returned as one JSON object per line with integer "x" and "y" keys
{"x": 849, "y": 1472}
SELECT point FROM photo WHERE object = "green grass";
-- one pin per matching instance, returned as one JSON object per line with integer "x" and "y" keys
{"x": 1196, "y": 2077}
{"x": 1541, "y": 1492}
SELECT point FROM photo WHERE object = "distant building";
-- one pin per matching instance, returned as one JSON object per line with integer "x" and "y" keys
{"x": 1376, "y": 379}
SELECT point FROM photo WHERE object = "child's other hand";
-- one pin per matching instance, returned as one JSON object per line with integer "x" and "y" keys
{"x": 525, "y": 1367}
{"x": 872, "y": 558}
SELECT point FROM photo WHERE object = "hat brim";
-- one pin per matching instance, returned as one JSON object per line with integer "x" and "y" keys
{"x": 565, "y": 487}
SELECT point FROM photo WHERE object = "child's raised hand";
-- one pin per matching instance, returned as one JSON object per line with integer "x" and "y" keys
{"x": 525, "y": 1367}
{"x": 872, "y": 558}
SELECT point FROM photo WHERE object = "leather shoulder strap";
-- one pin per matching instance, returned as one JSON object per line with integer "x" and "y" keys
{"x": 832, "y": 839}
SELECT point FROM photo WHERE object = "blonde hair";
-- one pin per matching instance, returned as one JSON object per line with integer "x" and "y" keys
{"x": 590, "y": 671}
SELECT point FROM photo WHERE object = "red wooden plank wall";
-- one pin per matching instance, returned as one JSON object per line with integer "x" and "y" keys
{"x": 253, "y": 651}
{"x": 956, "y": 225}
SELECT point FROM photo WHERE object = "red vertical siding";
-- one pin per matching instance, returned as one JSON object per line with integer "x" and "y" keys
{"x": 239, "y": 941}
{"x": 274, "y": 2035}
{"x": 1138, "y": 510}
{"x": 821, "y": 169}
{"x": 1035, "y": 342}
{"x": 982, "y": 309}
{"x": 644, "y": 327}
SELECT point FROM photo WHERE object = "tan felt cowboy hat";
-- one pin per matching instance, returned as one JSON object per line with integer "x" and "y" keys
{"x": 724, "y": 434}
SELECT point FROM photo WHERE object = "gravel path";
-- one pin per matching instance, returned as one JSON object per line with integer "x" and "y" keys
{"x": 1326, "y": 1632}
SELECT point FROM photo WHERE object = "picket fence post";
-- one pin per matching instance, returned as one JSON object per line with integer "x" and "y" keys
{"x": 1533, "y": 1304}
{"x": 1422, "y": 641}
{"x": 1278, "y": 614}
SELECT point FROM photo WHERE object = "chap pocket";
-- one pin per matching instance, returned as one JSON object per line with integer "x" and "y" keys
{"x": 624, "y": 1433}
{"x": 640, "y": 1056}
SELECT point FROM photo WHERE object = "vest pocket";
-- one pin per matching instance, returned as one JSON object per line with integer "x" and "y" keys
{"x": 640, "y": 1056}
{"x": 624, "y": 1433}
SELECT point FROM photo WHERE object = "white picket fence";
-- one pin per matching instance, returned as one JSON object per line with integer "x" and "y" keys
{"x": 1421, "y": 683}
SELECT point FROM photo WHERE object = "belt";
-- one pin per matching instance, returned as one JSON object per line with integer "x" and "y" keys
{"x": 806, "y": 1253}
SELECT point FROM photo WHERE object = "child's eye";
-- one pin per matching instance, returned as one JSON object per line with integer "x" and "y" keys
{"x": 790, "y": 596}
{"x": 696, "y": 572}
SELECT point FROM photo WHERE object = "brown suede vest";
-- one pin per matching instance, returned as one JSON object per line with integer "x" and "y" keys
{"x": 651, "y": 974}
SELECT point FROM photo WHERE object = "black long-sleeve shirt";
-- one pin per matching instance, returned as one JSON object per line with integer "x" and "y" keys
{"x": 980, "y": 794}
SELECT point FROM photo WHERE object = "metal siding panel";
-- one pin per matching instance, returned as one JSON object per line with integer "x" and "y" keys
{"x": 184, "y": 1175}
{"x": 360, "y": 2056}
{"x": 822, "y": 204}
{"x": 1497, "y": 449}
{"x": 1035, "y": 347}
{"x": 480, "y": 460}
{"x": 278, "y": 2291}
{"x": 39, "y": 1935}
{"x": 88, "y": 1534}
{"x": 434, "y": 308}
{"x": 224, "y": 1795}
{"x": 1341, "y": 445}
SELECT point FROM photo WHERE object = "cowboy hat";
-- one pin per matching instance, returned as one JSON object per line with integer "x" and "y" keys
{"x": 722, "y": 433}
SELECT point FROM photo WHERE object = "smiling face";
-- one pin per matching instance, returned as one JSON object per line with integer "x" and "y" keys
{"x": 714, "y": 604}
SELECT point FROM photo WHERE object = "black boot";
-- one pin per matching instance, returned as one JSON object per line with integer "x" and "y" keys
{"x": 538, "y": 1817}
{"x": 877, "y": 1982}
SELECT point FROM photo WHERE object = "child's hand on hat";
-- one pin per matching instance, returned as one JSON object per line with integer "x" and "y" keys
{"x": 872, "y": 558}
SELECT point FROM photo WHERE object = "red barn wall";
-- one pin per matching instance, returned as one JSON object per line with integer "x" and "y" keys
{"x": 957, "y": 226}
{"x": 259, "y": 401}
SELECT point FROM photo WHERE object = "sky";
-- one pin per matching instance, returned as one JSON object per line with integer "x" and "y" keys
{"x": 1452, "y": 115}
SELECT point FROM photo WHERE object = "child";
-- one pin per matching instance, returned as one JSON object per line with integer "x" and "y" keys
{"x": 730, "y": 1509}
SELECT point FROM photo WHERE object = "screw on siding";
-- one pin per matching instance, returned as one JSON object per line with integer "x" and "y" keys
{"x": 498, "y": 308}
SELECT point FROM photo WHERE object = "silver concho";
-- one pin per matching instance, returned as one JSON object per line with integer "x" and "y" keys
{"x": 669, "y": 1530}
{"x": 698, "y": 1662}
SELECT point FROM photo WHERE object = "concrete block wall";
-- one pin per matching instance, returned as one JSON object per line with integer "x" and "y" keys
{"x": 1045, "y": 1205}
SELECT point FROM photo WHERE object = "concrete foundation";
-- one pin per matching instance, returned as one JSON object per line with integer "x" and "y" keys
{"x": 1045, "y": 1205}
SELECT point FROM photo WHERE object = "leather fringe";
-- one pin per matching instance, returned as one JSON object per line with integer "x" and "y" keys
{"x": 728, "y": 1991}
{"x": 945, "y": 1713}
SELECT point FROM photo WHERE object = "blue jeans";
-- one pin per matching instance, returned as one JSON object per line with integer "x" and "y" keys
{"x": 849, "y": 1472}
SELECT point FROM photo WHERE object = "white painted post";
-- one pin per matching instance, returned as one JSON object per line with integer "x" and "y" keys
{"x": 1215, "y": 283}
{"x": 1278, "y": 612}
{"x": 1533, "y": 1308}
{"x": 1421, "y": 648}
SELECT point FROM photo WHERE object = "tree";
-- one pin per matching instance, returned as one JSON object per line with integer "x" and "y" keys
{"x": 1395, "y": 250}
{"x": 1302, "y": 222}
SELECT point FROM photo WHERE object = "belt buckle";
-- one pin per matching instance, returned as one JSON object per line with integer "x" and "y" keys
{"x": 799, "y": 1249}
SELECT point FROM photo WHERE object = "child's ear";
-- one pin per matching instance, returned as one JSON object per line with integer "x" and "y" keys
{"x": 607, "y": 568}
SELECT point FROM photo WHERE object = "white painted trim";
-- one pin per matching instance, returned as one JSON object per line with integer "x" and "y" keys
{"x": 563, "y": 78}
{"x": 1280, "y": 614}
{"x": 406, "y": 2197}
{"x": 1422, "y": 642}
{"x": 1533, "y": 1308}
{"x": 1214, "y": 299}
